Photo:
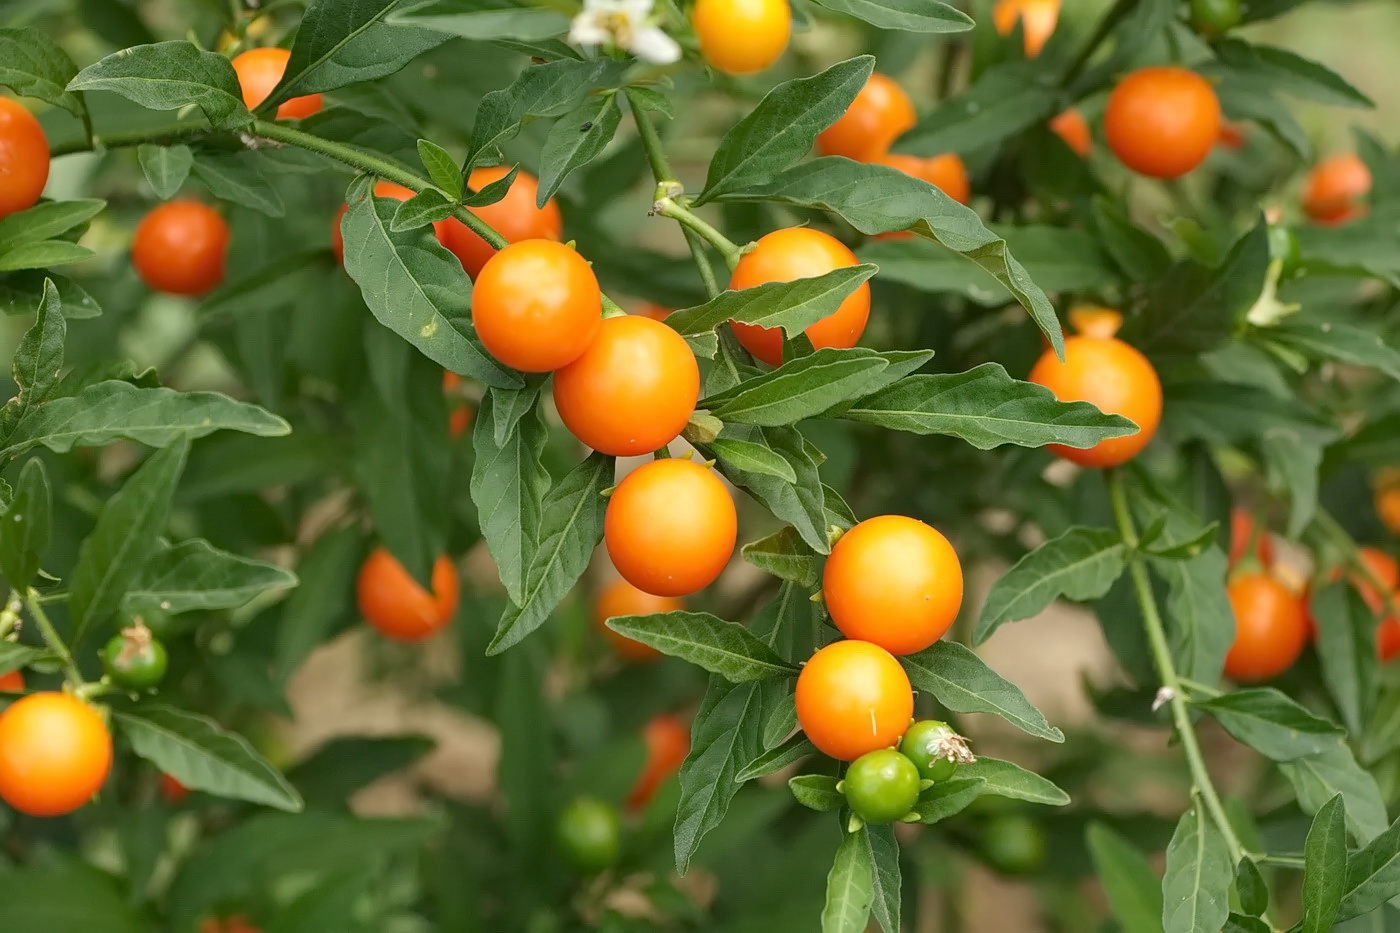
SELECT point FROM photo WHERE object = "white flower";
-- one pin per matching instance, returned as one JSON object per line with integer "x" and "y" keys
{"x": 623, "y": 23}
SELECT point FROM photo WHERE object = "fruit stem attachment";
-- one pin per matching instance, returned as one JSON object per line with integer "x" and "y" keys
{"x": 50, "y": 635}
{"x": 651, "y": 141}
{"x": 1172, "y": 684}
{"x": 670, "y": 207}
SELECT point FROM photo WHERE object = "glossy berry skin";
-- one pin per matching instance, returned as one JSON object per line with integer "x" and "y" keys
{"x": 1336, "y": 189}
{"x": 881, "y": 786}
{"x": 853, "y": 698}
{"x": 589, "y": 834}
{"x": 620, "y": 598}
{"x": 1115, "y": 377}
{"x": 1269, "y": 628}
{"x": 668, "y": 742}
{"x": 895, "y": 582}
{"x": 55, "y": 752}
{"x": 1213, "y": 18}
{"x": 741, "y": 37}
{"x": 1162, "y": 122}
{"x": 1074, "y": 130}
{"x": 382, "y": 189}
{"x": 11, "y": 682}
{"x": 670, "y": 527}
{"x": 514, "y": 217}
{"x": 794, "y": 253}
{"x": 258, "y": 72}
{"x": 134, "y": 665}
{"x": 180, "y": 247}
{"x": 537, "y": 306}
{"x": 879, "y": 115}
{"x": 1038, "y": 20}
{"x": 632, "y": 391}
{"x": 920, "y": 745}
{"x": 396, "y": 606}
{"x": 24, "y": 158}
{"x": 1242, "y": 531}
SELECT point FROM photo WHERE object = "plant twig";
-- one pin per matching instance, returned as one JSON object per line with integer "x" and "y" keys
{"x": 50, "y": 636}
{"x": 670, "y": 207}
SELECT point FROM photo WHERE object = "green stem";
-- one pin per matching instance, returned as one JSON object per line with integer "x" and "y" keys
{"x": 367, "y": 162}
{"x": 702, "y": 262}
{"x": 651, "y": 142}
{"x": 1344, "y": 542}
{"x": 1166, "y": 669}
{"x": 668, "y": 207}
{"x": 170, "y": 133}
{"x": 50, "y": 635}
{"x": 1106, "y": 25}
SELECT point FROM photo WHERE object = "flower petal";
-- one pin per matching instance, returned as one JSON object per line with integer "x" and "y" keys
{"x": 651, "y": 44}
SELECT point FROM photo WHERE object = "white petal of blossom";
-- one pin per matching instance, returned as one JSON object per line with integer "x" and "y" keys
{"x": 651, "y": 44}
{"x": 623, "y": 23}
{"x": 589, "y": 29}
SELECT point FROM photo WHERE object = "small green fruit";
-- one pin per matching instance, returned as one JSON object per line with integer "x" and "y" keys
{"x": 881, "y": 786}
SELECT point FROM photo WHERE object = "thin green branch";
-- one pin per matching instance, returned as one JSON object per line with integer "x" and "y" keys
{"x": 669, "y": 207}
{"x": 651, "y": 142}
{"x": 702, "y": 262}
{"x": 51, "y": 638}
{"x": 165, "y": 135}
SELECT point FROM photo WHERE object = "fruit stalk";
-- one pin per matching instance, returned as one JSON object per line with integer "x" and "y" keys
{"x": 50, "y": 635}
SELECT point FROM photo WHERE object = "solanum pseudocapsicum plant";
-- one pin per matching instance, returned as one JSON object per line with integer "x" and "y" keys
{"x": 386, "y": 222}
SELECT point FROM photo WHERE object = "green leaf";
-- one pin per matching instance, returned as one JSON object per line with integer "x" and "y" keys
{"x": 1373, "y": 874}
{"x": 1200, "y": 622}
{"x": 904, "y": 16}
{"x": 786, "y": 556}
{"x": 571, "y": 526}
{"x": 112, "y": 555}
{"x": 1316, "y": 779}
{"x": 343, "y": 42}
{"x": 752, "y": 458}
{"x": 472, "y": 19}
{"x": 783, "y": 127}
{"x": 36, "y": 364}
{"x": 1280, "y": 70}
{"x": 13, "y": 656}
{"x": 166, "y": 167}
{"x": 169, "y": 76}
{"x": 882, "y": 849}
{"x": 66, "y": 894}
{"x": 1005, "y": 779}
{"x": 1325, "y": 867}
{"x": 49, "y": 219}
{"x": 33, "y": 64}
{"x": 1141, "y": 256}
{"x": 1239, "y": 415}
{"x": 508, "y": 485}
{"x": 202, "y": 756}
{"x": 817, "y": 792}
{"x": 1338, "y": 341}
{"x": 442, "y": 168}
{"x": 776, "y": 759}
{"x": 724, "y": 648}
{"x": 643, "y": 99}
{"x": 38, "y": 254}
{"x": 343, "y": 766}
{"x": 1271, "y": 723}
{"x": 548, "y": 90}
{"x": 576, "y": 139}
{"x": 948, "y": 798}
{"x": 1253, "y": 891}
{"x": 987, "y": 408}
{"x": 803, "y": 388}
{"x": 26, "y": 527}
{"x": 112, "y": 410}
{"x": 1080, "y": 564}
{"x": 415, "y": 287}
{"x": 793, "y": 306}
{"x": 849, "y": 887}
{"x": 196, "y": 575}
{"x": 1006, "y": 99}
{"x": 21, "y": 291}
{"x": 239, "y": 177}
{"x": 1196, "y": 887}
{"x": 1129, "y": 881}
{"x": 959, "y": 680}
{"x": 426, "y": 207}
{"x": 879, "y": 199}
{"x": 801, "y": 504}
{"x": 321, "y": 599}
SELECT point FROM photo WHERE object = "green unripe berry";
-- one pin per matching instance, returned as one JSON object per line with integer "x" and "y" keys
{"x": 881, "y": 786}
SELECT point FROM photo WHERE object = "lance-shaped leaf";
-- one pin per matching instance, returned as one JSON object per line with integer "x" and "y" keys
{"x": 1080, "y": 564}
{"x": 1004, "y": 100}
{"x": 196, "y": 575}
{"x": 801, "y": 504}
{"x": 1373, "y": 874}
{"x": 570, "y": 528}
{"x": 904, "y": 16}
{"x": 201, "y": 755}
{"x": 48, "y": 219}
{"x": 1334, "y": 340}
{"x": 724, "y": 648}
{"x": 817, "y": 792}
{"x": 987, "y": 408}
{"x": 40, "y": 253}
{"x": 786, "y": 556}
{"x": 960, "y": 680}
{"x": 790, "y": 752}
{"x": 548, "y": 90}
{"x": 783, "y": 127}
{"x": 1271, "y": 723}
{"x": 849, "y": 887}
{"x": 793, "y": 306}
{"x": 471, "y": 19}
{"x": 1325, "y": 867}
{"x": 508, "y": 485}
{"x": 415, "y": 287}
{"x": 112, "y": 555}
{"x": 576, "y": 139}
{"x": 882, "y": 849}
{"x": 1196, "y": 886}
{"x": 808, "y": 386}
{"x": 33, "y": 64}
{"x": 948, "y": 798}
{"x": 26, "y": 526}
{"x": 241, "y": 177}
{"x": 169, "y": 76}
{"x": 1132, "y": 887}
{"x": 37, "y": 361}
{"x": 1346, "y": 630}
{"x": 1316, "y": 779}
{"x": 752, "y": 458}
{"x": 1006, "y": 779}
{"x": 13, "y": 656}
{"x": 1200, "y": 621}
{"x": 166, "y": 167}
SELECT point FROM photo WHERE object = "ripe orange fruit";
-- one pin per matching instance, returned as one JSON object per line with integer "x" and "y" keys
{"x": 258, "y": 72}
{"x": 179, "y": 247}
{"x": 852, "y": 698}
{"x": 895, "y": 582}
{"x": 1094, "y": 321}
{"x": 1388, "y": 638}
{"x": 1269, "y": 628}
{"x": 947, "y": 173}
{"x": 1383, "y": 568}
{"x": 55, "y": 752}
{"x": 461, "y": 415}
{"x": 24, "y": 158}
{"x": 668, "y": 742}
{"x": 1336, "y": 189}
{"x": 741, "y": 37}
{"x": 670, "y": 527}
{"x": 1242, "y": 532}
{"x": 382, "y": 189}
{"x": 794, "y": 253}
{"x": 1387, "y": 500}
{"x": 1163, "y": 121}
{"x": 1113, "y": 376}
{"x": 514, "y": 217}
{"x": 396, "y": 606}
{"x": 877, "y": 117}
{"x": 620, "y": 598}
{"x": 632, "y": 391}
{"x": 537, "y": 305}
{"x": 12, "y": 682}
{"x": 1038, "y": 19}
{"x": 1074, "y": 130}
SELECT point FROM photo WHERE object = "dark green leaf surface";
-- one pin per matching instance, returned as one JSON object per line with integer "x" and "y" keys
{"x": 786, "y": 556}
{"x": 817, "y": 792}
{"x": 196, "y": 575}
{"x": 1373, "y": 874}
{"x": 905, "y": 16}
{"x": 849, "y": 887}
{"x": 169, "y": 76}
{"x": 342, "y": 42}
{"x": 959, "y": 680}
{"x": 793, "y": 306}
{"x": 724, "y": 648}
{"x": 32, "y": 64}
{"x": 1196, "y": 887}
{"x": 883, "y": 851}
{"x": 576, "y": 139}
{"x": 508, "y": 485}
{"x": 26, "y": 527}
{"x": 1316, "y": 779}
{"x": 1271, "y": 723}
{"x": 1080, "y": 564}
{"x": 166, "y": 167}
{"x": 1005, "y": 779}
{"x": 1325, "y": 871}
{"x": 1132, "y": 887}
